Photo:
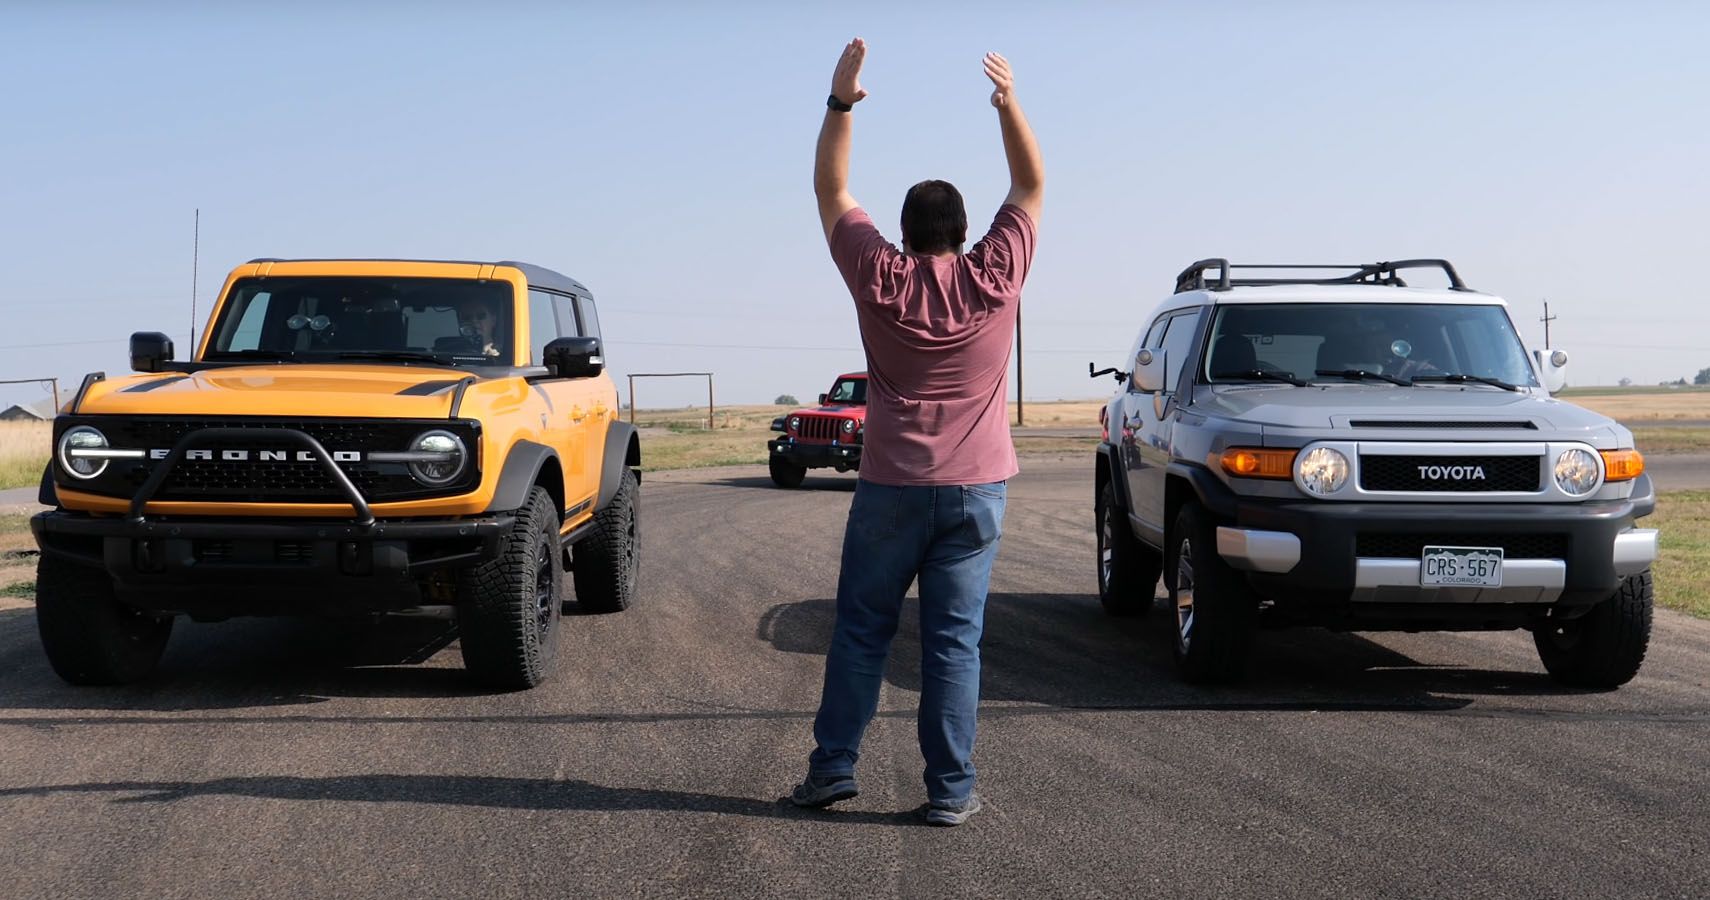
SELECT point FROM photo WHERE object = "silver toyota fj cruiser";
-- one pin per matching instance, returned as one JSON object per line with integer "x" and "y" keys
{"x": 1351, "y": 452}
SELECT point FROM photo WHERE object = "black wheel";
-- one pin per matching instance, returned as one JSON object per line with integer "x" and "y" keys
{"x": 786, "y": 474}
{"x": 1127, "y": 569}
{"x": 508, "y": 608}
{"x": 1216, "y": 611}
{"x": 89, "y": 636}
{"x": 608, "y": 559}
{"x": 1603, "y": 648}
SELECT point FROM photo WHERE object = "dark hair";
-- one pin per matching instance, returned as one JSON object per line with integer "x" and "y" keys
{"x": 933, "y": 217}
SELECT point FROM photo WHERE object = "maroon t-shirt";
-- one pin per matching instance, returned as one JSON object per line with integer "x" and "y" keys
{"x": 938, "y": 333}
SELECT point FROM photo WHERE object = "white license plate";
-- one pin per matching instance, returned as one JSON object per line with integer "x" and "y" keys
{"x": 1461, "y": 567}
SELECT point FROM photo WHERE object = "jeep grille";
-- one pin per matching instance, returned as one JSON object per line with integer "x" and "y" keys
{"x": 822, "y": 428}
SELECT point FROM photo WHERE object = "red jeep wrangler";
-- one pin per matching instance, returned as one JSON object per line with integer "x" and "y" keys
{"x": 817, "y": 438}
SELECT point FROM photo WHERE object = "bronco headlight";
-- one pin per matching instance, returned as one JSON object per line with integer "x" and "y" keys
{"x": 848, "y": 426}
{"x": 83, "y": 452}
{"x": 1323, "y": 470}
{"x": 437, "y": 457}
{"x": 1576, "y": 472}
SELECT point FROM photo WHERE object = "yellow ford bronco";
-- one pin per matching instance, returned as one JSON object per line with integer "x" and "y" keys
{"x": 351, "y": 437}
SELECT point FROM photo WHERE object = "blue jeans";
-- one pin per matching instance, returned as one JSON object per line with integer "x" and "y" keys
{"x": 948, "y": 538}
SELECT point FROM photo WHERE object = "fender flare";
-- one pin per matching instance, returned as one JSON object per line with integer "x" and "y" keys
{"x": 615, "y": 461}
{"x": 1113, "y": 467}
{"x": 46, "y": 494}
{"x": 521, "y": 467}
{"x": 1213, "y": 494}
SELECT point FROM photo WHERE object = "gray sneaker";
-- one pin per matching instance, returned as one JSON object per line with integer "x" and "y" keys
{"x": 823, "y": 790}
{"x": 951, "y": 816}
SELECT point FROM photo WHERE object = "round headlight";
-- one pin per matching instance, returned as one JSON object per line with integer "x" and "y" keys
{"x": 1576, "y": 472}
{"x": 1323, "y": 470}
{"x": 848, "y": 426}
{"x": 82, "y": 437}
{"x": 440, "y": 457}
{"x": 795, "y": 423}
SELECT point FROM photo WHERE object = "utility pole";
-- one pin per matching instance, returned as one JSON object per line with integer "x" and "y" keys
{"x": 195, "y": 269}
{"x": 1547, "y": 319}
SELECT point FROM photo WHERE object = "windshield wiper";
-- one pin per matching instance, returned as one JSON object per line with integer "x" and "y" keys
{"x": 1362, "y": 374}
{"x": 1259, "y": 375}
{"x": 443, "y": 359}
{"x": 1463, "y": 378}
{"x": 254, "y": 353}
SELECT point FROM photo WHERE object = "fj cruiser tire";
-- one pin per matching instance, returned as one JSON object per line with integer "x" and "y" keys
{"x": 89, "y": 636}
{"x": 1603, "y": 648}
{"x": 607, "y": 562}
{"x": 1216, "y": 611}
{"x": 786, "y": 474}
{"x": 508, "y": 608}
{"x": 1127, "y": 569}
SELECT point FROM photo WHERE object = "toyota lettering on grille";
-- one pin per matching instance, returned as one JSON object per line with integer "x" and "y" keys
{"x": 258, "y": 455}
{"x": 1451, "y": 473}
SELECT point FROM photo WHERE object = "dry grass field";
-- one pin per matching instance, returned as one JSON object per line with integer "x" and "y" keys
{"x": 24, "y": 448}
{"x": 1683, "y": 571}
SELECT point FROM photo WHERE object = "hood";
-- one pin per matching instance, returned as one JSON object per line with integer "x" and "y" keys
{"x": 846, "y": 410}
{"x": 1359, "y": 410}
{"x": 293, "y": 389}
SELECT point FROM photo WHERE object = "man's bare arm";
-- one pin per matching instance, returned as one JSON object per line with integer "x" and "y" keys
{"x": 1026, "y": 167}
{"x": 831, "y": 156}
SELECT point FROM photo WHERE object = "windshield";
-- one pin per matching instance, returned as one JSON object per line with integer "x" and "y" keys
{"x": 1366, "y": 341}
{"x": 455, "y": 321}
{"x": 848, "y": 390}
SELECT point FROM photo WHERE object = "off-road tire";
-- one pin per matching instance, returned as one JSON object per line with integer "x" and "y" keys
{"x": 1216, "y": 612}
{"x": 607, "y": 561}
{"x": 786, "y": 474}
{"x": 508, "y": 608}
{"x": 1128, "y": 578}
{"x": 88, "y": 635}
{"x": 1604, "y": 648}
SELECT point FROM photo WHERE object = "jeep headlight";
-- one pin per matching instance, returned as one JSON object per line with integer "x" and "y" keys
{"x": 795, "y": 423}
{"x": 1323, "y": 470}
{"x": 1576, "y": 472}
{"x": 848, "y": 426}
{"x": 82, "y": 452}
{"x": 437, "y": 457}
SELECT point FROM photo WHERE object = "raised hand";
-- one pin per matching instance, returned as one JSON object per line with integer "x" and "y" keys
{"x": 846, "y": 80}
{"x": 1003, "y": 82}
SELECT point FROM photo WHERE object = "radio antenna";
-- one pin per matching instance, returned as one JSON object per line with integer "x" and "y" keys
{"x": 195, "y": 270}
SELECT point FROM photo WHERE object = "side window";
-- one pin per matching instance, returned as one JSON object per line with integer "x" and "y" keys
{"x": 1178, "y": 345}
{"x": 542, "y": 327}
{"x": 590, "y": 316}
{"x": 246, "y": 335}
{"x": 566, "y": 315}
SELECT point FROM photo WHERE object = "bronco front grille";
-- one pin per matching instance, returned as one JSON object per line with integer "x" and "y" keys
{"x": 1410, "y": 546}
{"x": 274, "y": 480}
{"x": 1452, "y": 474}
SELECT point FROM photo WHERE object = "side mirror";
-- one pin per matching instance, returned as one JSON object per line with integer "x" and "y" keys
{"x": 822, "y": 399}
{"x": 150, "y": 351}
{"x": 1552, "y": 368}
{"x": 574, "y": 357}
{"x": 1148, "y": 375}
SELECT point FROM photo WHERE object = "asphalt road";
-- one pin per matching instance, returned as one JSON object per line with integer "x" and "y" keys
{"x": 278, "y": 758}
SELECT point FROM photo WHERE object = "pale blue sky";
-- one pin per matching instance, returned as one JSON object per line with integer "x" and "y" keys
{"x": 661, "y": 154}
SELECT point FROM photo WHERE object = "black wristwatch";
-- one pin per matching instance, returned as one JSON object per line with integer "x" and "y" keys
{"x": 831, "y": 102}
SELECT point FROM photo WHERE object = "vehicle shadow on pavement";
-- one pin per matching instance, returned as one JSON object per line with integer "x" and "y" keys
{"x": 249, "y": 663}
{"x": 492, "y": 792}
{"x": 1062, "y": 650}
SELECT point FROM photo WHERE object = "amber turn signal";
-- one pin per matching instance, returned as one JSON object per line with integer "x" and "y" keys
{"x": 1252, "y": 462}
{"x": 1622, "y": 465}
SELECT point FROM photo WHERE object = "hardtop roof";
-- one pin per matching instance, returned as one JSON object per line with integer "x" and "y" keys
{"x": 537, "y": 276}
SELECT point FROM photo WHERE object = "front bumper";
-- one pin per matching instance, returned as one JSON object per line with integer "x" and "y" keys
{"x": 816, "y": 456}
{"x": 222, "y": 567}
{"x": 1305, "y": 554}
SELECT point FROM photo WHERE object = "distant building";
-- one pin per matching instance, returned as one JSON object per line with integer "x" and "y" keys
{"x": 40, "y": 411}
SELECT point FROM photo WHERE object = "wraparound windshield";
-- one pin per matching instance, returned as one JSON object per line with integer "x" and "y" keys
{"x": 457, "y": 321}
{"x": 1399, "y": 340}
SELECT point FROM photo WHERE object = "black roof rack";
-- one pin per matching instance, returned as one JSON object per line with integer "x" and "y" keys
{"x": 1193, "y": 277}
